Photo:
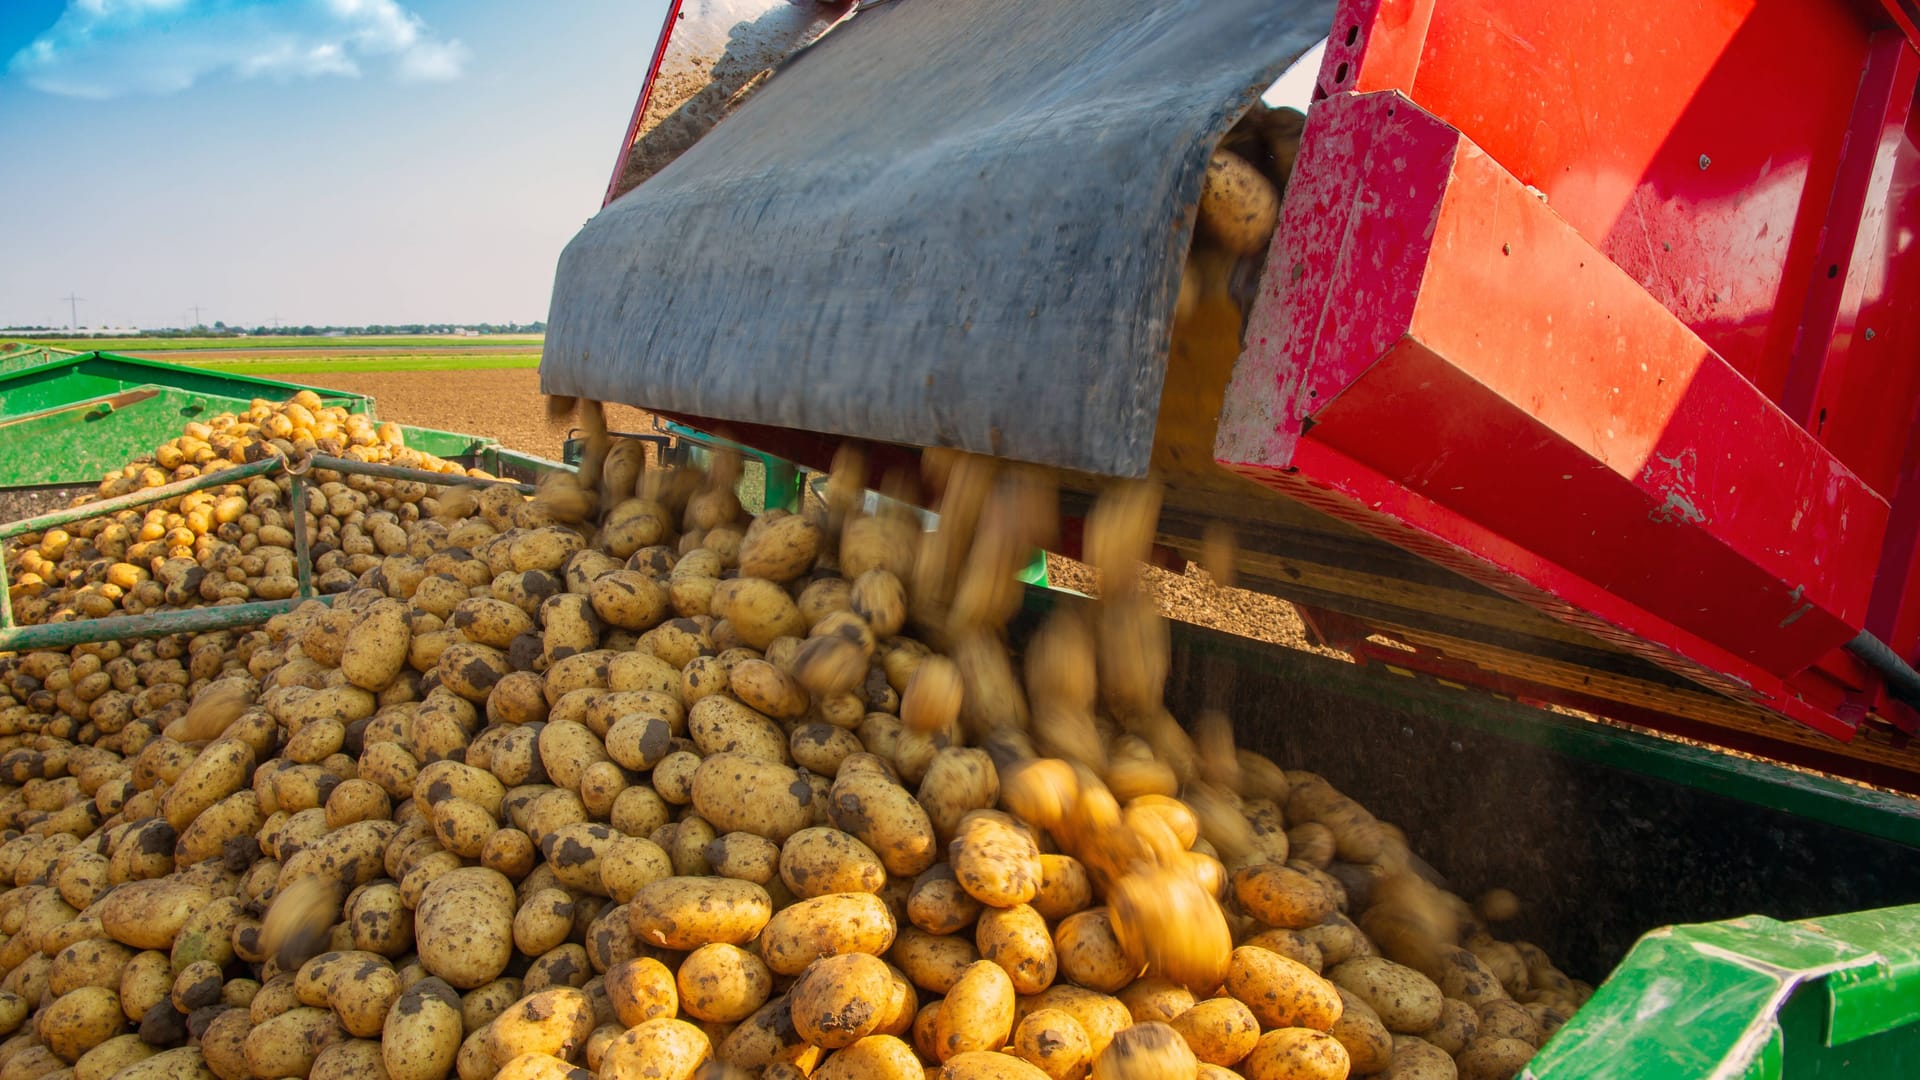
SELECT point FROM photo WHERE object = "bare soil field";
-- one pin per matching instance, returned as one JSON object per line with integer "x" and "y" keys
{"x": 505, "y": 404}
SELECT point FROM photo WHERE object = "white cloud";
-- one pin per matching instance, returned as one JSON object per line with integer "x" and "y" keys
{"x": 110, "y": 48}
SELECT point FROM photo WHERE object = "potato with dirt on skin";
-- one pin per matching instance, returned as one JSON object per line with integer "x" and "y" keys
{"x": 744, "y": 855}
{"x": 149, "y": 914}
{"x": 640, "y": 989}
{"x": 464, "y": 926}
{"x": 285, "y": 1045}
{"x": 376, "y": 647}
{"x": 1089, "y": 953}
{"x": 995, "y": 859}
{"x": 1220, "y": 1030}
{"x": 1152, "y": 997}
{"x": 79, "y": 1020}
{"x": 781, "y": 549}
{"x": 543, "y": 922}
{"x": 874, "y": 1057}
{"x": 745, "y": 793}
{"x": 110, "y": 1057}
{"x": 978, "y": 1012}
{"x": 1282, "y": 993}
{"x": 1238, "y": 204}
{"x": 759, "y": 610}
{"x": 1296, "y": 1053}
{"x": 688, "y": 912}
{"x": 1281, "y": 896}
{"x": 829, "y": 925}
{"x": 1414, "y": 1058}
{"x": 660, "y": 1049}
{"x": 1407, "y": 1002}
{"x": 986, "y": 1065}
{"x": 722, "y": 984}
{"x": 934, "y": 962}
{"x": 1052, "y": 1041}
{"x": 840, "y": 999}
{"x": 719, "y": 725}
{"x": 885, "y": 816}
{"x": 423, "y": 1031}
{"x": 765, "y": 688}
{"x": 1490, "y": 1057}
{"x": 554, "y": 1021}
{"x": 1368, "y": 1043}
{"x": 1017, "y": 939}
{"x": 818, "y": 860}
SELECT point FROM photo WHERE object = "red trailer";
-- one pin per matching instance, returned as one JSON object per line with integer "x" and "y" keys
{"x": 1581, "y": 366}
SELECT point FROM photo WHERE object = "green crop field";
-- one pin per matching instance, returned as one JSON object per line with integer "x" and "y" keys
{"x": 134, "y": 345}
{"x": 325, "y": 365}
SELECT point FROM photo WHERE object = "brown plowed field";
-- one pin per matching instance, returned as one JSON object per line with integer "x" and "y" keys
{"x": 505, "y": 404}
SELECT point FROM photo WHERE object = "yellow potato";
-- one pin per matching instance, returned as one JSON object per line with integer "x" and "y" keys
{"x": 841, "y": 999}
{"x": 978, "y": 1012}
{"x": 1052, "y": 1041}
{"x": 875, "y": 1057}
{"x": 1238, "y": 206}
{"x": 1145, "y": 1052}
{"x": 1282, "y": 993}
{"x": 661, "y": 1048}
{"x": 1221, "y": 1030}
{"x": 1016, "y": 938}
{"x": 1406, "y": 1001}
{"x": 688, "y": 912}
{"x": 1295, "y": 1053}
{"x": 722, "y": 983}
{"x": 828, "y": 925}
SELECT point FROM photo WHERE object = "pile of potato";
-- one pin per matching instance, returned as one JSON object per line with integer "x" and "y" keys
{"x": 231, "y": 543}
{"x": 621, "y": 781}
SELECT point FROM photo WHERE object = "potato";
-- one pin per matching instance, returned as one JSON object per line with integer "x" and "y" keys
{"x": 376, "y": 647}
{"x": 1280, "y": 896}
{"x": 995, "y": 859}
{"x": 554, "y": 1021}
{"x": 640, "y": 989}
{"x": 1416, "y": 1059}
{"x": 742, "y": 792}
{"x": 720, "y": 725}
{"x": 1282, "y": 993}
{"x": 1369, "y": 1046}
{"x": 543, "y": 921}
{"x": 978, "y": 1012}
{"x": 79, "y": 1020}
{"x": 826, "y": 926}
{"x": 149, "y": 914}
{"x": 1508, "y": 1020}
{"x": 933, "y": 962}
{"x": 538, "y": 1067}
{"x": 722, "y": 983}
{"x": 422, "y": 1033}
{"x": 767, "y": 689}
{"x": 1064, "y": 887}
{"x": 987, "y": 1065}
{"x": 108, "y": 1058}
{"x": 1017, "y": 939}
{"x": 875, "y": 1057}
{"x": 1295, "y": 1053}
{"x": 1154, "y": 998}
{"x": 1238, "y": 205}
{"x": 767, "y": 1038}
{"x": 957, "y": 782}
{"x": 816, "y": 861}
{"x": 1489, "y": 1057}
{"x": 688, "y": 912}
{"x": 287, "y": 1044}
{"x": 886, "y": 818}
{"x": 838, "y": 1000}
{"x": 464, "y": 926}
{"x": 1146, "y": 1051}
{"x": 660, "y": 1049}
{"x": 758, "y": 609}
{"x": 1052, "y": 1041}
{"x": 1090, "y": 954}
{"x": 780, "y": 549}
{"x": 1220, "y": 1030}
{"x": 1406, "y": 1001}
{"x": 630, "y": 600}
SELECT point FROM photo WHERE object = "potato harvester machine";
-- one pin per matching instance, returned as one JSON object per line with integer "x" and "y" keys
{"x": 1579, "y": 372}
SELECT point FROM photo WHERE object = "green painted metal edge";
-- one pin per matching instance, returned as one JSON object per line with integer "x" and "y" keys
{"x": 444, "y": 444}
{"x": 132, "y": 371}
{"x": 80, "y": 444}
{"x": 1712, "y": 1000}
{"x": 65, "y": 635}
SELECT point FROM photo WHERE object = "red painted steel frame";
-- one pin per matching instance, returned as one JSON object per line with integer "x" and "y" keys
{"x": 640, "y": 105}
{"x": 1676, "y": 404}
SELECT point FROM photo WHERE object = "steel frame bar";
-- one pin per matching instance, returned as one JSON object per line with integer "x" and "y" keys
{"x": 217, "y": 616}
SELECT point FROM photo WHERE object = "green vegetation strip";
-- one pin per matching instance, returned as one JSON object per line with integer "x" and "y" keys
{"x": 332, "y": 365}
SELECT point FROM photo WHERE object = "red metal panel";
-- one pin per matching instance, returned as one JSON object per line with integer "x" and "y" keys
{"x": 1450, "y": 354}
{"x": 1694, "y": 143}
{"x": 667, "y": 24}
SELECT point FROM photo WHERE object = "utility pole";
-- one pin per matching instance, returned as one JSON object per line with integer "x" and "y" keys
{"x": 196, "y": 315}
{"x": 276, "y": 322}
{"x": 73, "y": 310}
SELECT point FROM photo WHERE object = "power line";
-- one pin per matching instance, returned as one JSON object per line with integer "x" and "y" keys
{"x": 73, "y": 310}
{"x": 196, "y": 314}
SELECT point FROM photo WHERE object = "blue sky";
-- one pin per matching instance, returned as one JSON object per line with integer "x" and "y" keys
{"x": 325, "y": 161}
